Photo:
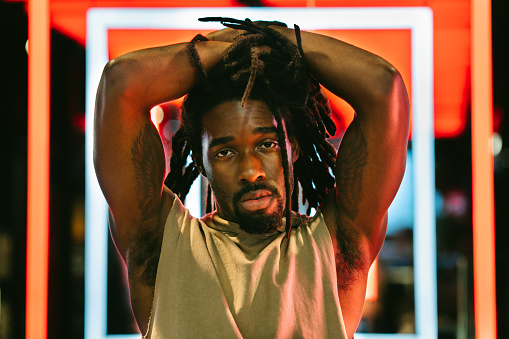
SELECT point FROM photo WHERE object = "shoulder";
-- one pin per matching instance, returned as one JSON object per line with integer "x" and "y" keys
{"x": 311, "y": 230}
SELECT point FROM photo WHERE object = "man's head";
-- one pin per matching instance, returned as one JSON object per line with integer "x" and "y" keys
{"x": 241, "y": 157}
{"x": 261, "y": 79}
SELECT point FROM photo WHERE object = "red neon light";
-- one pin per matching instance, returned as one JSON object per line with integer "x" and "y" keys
{"x": 38, "y": 170}
{"x": 482, "y": 173}
{"x": 451, "y": 42}
{"x": 392, "y": 44}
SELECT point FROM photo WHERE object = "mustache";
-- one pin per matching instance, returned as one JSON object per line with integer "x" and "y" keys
{"x": 254, "y": 187}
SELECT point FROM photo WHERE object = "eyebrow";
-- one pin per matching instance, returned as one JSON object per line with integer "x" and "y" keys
{"x": 220, "y": 141}
{"x": 227, "y": 139}
{"x": 264, "y": 130}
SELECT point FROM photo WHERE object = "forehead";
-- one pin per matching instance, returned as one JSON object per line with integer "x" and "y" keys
{"x": 231, "y": 118}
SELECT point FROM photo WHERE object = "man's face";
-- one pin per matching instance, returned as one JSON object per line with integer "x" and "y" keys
{"x": 242, "y": 161}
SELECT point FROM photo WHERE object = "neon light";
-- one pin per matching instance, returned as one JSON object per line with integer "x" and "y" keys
{"x": 38, "y": 170}
{"x": 483, "y": 218}
{"x": 417, "y": 19}
{"x": 426, "y": 323}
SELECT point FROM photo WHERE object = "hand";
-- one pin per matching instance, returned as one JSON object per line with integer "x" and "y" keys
{"x": 229, "y": 34}
{"x": 225, "y": 35}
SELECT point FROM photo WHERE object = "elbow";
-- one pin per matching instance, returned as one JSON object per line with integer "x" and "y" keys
{"x": 115, "y": 77}
{"x": 399, "y": 96}
{"x": 389, "y": 80}
{"x": 397, "y": 85}
{"x": 391, "y": 92}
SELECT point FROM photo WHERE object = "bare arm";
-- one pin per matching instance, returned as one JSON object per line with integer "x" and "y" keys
{"x": 371, "y": 158}
{"x": 372, "y": 155}
{"x": 129, "y": 157}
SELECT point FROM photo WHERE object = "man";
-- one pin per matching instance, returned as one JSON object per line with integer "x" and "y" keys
{"x": 255, "y": 123}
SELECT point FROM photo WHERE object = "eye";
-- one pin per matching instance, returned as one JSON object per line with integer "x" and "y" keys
{"x": 268, "y": 144}
{"x": 223, "y": 153}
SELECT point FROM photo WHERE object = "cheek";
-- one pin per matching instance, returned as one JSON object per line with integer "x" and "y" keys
{"x": 217, "y": 173}
{"x": 223, "y": 197}
{"x": 211, "y": 169}
{"x": 220, "y": 180}
{"x": 274, "y": 167}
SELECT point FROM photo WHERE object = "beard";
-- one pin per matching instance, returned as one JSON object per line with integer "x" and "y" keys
{"x": 256, "y": 223}
{"x": 262, "y": 223}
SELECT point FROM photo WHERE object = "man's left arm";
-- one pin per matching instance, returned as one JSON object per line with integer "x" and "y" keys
{"x": 371, "y": 158}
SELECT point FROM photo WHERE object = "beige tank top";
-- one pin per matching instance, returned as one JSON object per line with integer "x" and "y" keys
{"x": 215, "y": 281}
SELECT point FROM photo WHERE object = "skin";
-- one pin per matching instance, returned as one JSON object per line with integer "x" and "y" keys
{"x": 130, "y": 162}
{"x": 240, "y": 148}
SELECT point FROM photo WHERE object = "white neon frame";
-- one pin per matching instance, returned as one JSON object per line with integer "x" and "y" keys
{"x": 419, "y": 20}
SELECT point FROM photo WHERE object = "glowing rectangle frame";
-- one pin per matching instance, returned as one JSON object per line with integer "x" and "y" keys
{"x": 483, "y": 213}
{"x": 418, "y": 20}
{"x": 38, "y": 149}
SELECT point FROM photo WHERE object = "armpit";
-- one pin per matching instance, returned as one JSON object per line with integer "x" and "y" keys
{"x": 348, "y": 254}
{"x": 143, "y": 256}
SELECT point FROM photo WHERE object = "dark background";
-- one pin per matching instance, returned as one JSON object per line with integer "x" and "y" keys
{"x": 66, "y": 269}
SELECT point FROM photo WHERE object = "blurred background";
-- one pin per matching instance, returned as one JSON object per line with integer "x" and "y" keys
{"x": 393, "y": 309}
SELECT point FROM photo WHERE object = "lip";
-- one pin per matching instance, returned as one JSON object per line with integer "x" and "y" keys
{"x": 254, "y": 195}
{"x": 257, "y": 200}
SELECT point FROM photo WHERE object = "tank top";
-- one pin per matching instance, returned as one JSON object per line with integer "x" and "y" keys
{"x": 216, "y": 281}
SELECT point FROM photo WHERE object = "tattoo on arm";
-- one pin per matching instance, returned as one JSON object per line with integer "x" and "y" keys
{"x": 349, "y": 169}
{"x": 349, "y": 172}
{"x": 149, "y": 170}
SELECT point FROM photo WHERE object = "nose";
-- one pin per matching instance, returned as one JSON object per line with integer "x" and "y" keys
{"x": 250, "y": 168}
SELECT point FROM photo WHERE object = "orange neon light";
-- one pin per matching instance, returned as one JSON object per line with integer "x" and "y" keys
{"x": 38, "y": 170}
{"x": 482, "y": 172}
{"x": 392, "y": 44}
{"x": 451, "y": 43}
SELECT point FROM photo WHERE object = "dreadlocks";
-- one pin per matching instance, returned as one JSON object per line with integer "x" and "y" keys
{"x": 261, "y": 65}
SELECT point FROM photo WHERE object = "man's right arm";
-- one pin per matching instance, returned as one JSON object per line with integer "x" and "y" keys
{"x": 129, "y": 157}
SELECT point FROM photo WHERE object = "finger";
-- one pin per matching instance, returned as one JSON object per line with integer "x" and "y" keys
{"x": 263, "y": 23}
{"x": 225, "y": 35}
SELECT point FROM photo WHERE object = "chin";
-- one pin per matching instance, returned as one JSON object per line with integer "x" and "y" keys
{"x": 260, "y": 223}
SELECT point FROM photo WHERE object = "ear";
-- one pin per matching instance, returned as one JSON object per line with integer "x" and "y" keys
{"x": 295, "y": 149}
